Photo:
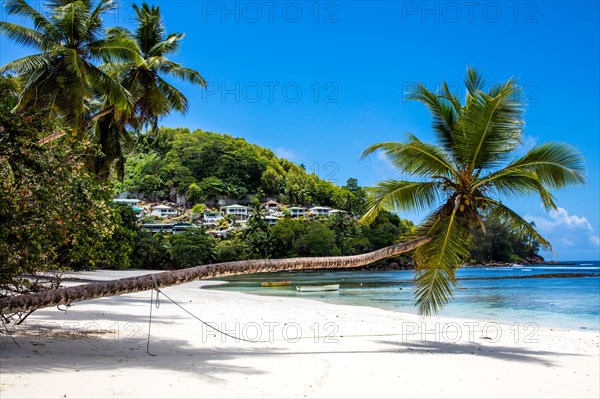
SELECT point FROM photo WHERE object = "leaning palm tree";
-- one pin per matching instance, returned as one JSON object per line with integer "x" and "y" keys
{"x": 466, "y": 177}
{"x": 62, "y": 76}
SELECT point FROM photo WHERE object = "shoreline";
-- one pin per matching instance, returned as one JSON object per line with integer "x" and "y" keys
{"x": 447, "y": 318}
{"x": 344, "y": 351}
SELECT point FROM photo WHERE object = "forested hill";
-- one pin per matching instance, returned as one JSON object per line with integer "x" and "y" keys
{"x": 203, "y": 165}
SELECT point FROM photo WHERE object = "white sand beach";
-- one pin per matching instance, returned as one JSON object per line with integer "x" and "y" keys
{"x": 98, "y": 349}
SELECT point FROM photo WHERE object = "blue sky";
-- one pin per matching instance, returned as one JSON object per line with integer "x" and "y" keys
{"x": 318, "y": 82}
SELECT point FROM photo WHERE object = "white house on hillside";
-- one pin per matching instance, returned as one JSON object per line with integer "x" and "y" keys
{"x": 320, "y": 210}
{"x": 164, "y": 211}
{"x": 336, "y": 212}
{"x": 297, "y": 211}
{"x": 240, "y": 212}
{"x": 272, "y": 206}
{"x": 212, "y": 216}
{"x": 130, "y": 202}
{"x": 271, "y": 220}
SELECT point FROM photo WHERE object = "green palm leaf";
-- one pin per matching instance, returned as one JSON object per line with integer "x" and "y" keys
{"x": 168, "y": 46}
{"x": 25, "y": 36}
{"x": 40, "y": 22}
{"x": 517, "y": 182}
{"x": 491, "y": 127}
{"x": 415, "y": 157}
{"x": 438, "y": 260}
{"x": 399, "y": 194}
{"x": 558, "y": 165}
{"x": 443, "y": 111}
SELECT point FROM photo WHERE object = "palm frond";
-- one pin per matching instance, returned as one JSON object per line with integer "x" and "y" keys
{"x": 116, "y": 94}
{"x": 176, "y": 99}
{"x": 517, "y": 182}
{"x": 443, "y": 112}
{"x": 438, "y": 260}
{"x": 94, "y": 22}
{"x": 474, "y": 81}
{"x": 187, "y": 75}
{"x": 150, "y": 28}
{"x": 557, "y": 164}
{"x": 400, "y": 195}
{"x": 25, "y": 36}
{"x": 116, "y": 47}
{"x": 40, "y": 22}
{"x": 71, "y": 19}
{"x": 491, "y": 127}
{"x": 28, "y": 64}
{"x": 168, "y": 46}
{"x": 415, "y": 157}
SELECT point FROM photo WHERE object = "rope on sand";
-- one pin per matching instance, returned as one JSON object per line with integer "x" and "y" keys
{"x": 157, "y": 304}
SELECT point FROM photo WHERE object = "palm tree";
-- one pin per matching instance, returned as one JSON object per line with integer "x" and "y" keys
{"x": 152, "y": 96}
{"x": 466, "y": 176}
{"x": 31, "y": 302}
{"x": 62, "y": 76}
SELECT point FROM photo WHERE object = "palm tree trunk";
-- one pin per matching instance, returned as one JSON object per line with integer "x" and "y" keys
{"x": 52, "y": 137}
{"x": 25, "y": 303}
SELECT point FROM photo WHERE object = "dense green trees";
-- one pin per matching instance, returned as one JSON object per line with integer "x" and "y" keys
{"x": 501, "y": 244}
{"x": 191, "y": 248}
{"x": 54, "y": 215}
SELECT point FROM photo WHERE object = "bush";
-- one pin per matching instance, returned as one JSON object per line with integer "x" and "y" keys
{"x": 230, "y": 250}
{"x": 190, "y": 248}
{"x": 316, "y": 240}
{"x": 150, "y": 252}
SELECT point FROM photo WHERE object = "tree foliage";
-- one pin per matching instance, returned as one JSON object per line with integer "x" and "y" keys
{"x": 54, "y": 215}
{"x": 204, "y": 165}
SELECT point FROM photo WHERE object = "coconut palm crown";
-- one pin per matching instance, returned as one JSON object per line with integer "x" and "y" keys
{"x": 63, "y": 75}
{"x": 466, "y": 176}
{"x": 145, "y": 79}
{"x": 153, "y": 95}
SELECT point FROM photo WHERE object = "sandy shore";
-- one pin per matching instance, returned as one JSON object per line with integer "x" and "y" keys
{"x": 312, "y": 349}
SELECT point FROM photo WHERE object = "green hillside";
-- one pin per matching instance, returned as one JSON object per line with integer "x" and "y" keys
{"x": 203, "y": 166}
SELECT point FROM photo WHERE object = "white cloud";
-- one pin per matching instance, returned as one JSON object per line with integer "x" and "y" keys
{"x": 568, "y": 230}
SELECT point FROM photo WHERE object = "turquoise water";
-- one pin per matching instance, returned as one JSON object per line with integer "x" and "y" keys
{"x": 572, "y": 303}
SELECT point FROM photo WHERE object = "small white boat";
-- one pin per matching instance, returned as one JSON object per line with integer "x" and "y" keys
{"x": 317, "y": 288}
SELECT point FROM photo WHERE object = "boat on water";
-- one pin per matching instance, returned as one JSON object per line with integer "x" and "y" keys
{"x": 276, "y": 283}
{"x": 317, "y": 288}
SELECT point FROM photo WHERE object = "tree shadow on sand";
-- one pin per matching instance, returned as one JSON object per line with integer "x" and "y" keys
{"x": 507, "y": 353}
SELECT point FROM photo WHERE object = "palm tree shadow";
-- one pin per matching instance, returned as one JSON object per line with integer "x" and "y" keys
{"x": 78, "y": 353}
{"x": 507, "y": 353}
